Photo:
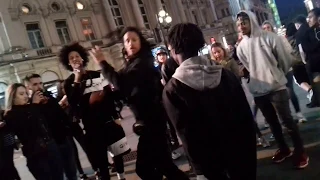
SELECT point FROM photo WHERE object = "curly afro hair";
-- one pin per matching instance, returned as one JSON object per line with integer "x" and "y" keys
{"x": 186, "y": 38}
{"x": 66, "y": 50}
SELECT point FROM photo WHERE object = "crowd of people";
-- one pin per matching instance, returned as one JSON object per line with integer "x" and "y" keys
{"x": 187, "y": 95}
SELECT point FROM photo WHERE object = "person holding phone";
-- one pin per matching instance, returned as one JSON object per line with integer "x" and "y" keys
{"x": 58, "y": 122}
{"x": 93, "y": 99}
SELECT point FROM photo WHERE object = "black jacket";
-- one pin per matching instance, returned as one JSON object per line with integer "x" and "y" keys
{"x": 29, "y": 124}
{"x": 311, "y": 47}
{"x": 301, "y": 33}
{"x": 81, "y": 96}
{"x": 58, "y": 120}
{"x": 210, "y": 112}
{"x": 168, "y": 69}
{"x": 140, "y": 82}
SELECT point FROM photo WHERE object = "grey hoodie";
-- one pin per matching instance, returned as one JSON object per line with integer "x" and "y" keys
{"x": 199, "y": 73}
{"x": 266, "y": 58}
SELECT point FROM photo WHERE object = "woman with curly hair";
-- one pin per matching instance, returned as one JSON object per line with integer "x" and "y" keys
{"x": 91, "y": 99}
{"x": 139, "y": 81}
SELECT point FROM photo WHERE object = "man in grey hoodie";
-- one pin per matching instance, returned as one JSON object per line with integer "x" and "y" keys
{"x": 208, "y": 107}
{"x": 267, "y": 59}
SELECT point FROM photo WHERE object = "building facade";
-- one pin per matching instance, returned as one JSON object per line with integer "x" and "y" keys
{"x": 310, "y": 4}
{"x": 33, "y": 31}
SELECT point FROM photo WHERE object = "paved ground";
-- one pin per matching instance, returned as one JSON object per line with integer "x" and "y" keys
{"x": 266, "y": 171}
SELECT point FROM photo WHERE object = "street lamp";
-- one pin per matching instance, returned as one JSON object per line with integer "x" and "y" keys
{"x": 164, "y": 22}
{"x": 79, "y": 5}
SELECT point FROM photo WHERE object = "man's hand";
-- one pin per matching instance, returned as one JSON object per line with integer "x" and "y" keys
{"x": 64, "y": 102}
{"x": 97, "y": 54}
{"x": 38, "y": 97}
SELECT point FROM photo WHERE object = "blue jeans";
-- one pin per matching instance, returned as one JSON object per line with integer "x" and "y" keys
{"x": 47, "y": 166}
{"x": 68, "y": 159}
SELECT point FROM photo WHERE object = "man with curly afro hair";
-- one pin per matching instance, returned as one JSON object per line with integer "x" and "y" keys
{"x": 92, "y": 99}
{"x": 209, "y": 110}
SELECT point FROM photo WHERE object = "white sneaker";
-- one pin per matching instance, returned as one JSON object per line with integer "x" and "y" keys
{"x": 301, "y": 117}
{"x": 310, "y": 94}
{"x": 175, "y": 155}
{"x": 263, "y": 142}
{"x": 201, "y": 177}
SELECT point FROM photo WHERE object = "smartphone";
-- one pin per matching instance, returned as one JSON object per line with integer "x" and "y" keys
{"x": 30, "y": 93}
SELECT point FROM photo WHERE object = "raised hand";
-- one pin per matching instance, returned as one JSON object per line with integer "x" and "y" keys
{"x": 97, "y": 54}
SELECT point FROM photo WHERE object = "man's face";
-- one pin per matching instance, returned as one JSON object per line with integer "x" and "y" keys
{"x": 35, "y": 84}
{"x": 244, "y": 26}
{"x": 312, "y": 19}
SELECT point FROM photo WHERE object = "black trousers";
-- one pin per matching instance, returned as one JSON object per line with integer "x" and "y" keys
{"x": 7, "y": 168}
{"x": 278, "y": 103}
{"x": 78, "y": 134}
{"x": 154, "y": 159}
{"x": 98, "y": 152}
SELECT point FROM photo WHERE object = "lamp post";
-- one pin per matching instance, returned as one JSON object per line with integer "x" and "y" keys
{"x": 164, "y": 22}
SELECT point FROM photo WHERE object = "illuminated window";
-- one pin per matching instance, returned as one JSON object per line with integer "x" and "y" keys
{"x": 87, "y": 29}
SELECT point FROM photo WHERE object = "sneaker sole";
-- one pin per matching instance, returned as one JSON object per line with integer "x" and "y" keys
{"x": 304, "y": 166}
{"x": 266, "y": 145}
{"x": 281, "y": 160}
{"x": 302, "y": 121}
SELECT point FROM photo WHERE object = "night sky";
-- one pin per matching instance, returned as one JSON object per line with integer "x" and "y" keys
{"x": 289, "y": 9}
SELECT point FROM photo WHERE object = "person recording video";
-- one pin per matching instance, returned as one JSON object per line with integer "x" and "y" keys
{"x": 58, "y": 123}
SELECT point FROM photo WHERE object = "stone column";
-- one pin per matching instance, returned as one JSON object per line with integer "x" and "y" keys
{"x": 158, "y": 6}
{"x": 137, "y": 13}
{"x": 127, "y": 16}
{"x": 213, "y": 9}
{"x": 181, "y": 11}
{"x": 108, "y": 14}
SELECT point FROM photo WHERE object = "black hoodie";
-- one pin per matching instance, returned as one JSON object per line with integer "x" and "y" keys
{"x": 208, "y": 108}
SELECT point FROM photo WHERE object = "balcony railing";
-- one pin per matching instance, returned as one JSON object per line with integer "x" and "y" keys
{"x": 44, "y": 52}
{"x": 23, "y": 54}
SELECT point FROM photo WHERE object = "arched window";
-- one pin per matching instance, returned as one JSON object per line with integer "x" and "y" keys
{"x": 116, "y": 13}
{"x": 144, "y": 14}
